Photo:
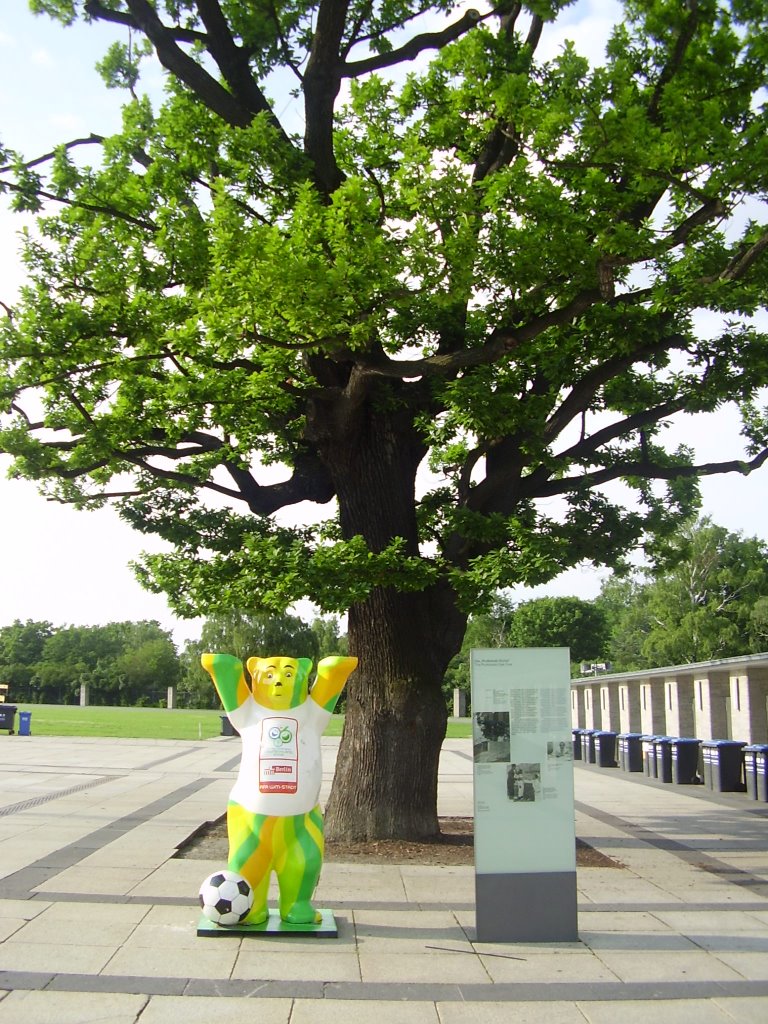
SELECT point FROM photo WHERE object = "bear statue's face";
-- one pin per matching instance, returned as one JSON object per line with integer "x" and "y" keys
{"x": 279, "y": 683}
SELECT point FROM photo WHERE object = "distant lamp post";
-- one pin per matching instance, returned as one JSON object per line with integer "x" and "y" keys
{"x": 595, "y": 668}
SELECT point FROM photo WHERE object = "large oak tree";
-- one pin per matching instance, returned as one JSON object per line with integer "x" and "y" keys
{"x": 383, "y": 257}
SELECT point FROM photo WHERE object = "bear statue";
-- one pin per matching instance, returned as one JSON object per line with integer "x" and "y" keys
{"x": 274, "y": 821}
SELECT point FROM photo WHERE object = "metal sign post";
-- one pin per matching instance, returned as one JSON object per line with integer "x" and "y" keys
{"x": 525, "y": 842}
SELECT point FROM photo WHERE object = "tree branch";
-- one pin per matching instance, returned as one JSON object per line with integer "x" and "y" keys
{"x": 109, "y": 211}
{"x": 186, "y": 69}
{"x": 287, "y": 56}
{"x": 415, "y": 46}
{"x": 96, "y": 10}
{"x": 740, "y": 263}
{"x": 90, "y": 140}
{"x": 322, "y": 80}
{"x": 648, "y": 471}
{"x": 682, "y": 43}
{"x": 232, "y": 60}
{"x": 583, "y": 391}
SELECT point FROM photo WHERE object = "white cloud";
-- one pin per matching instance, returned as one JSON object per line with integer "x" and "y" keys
{"x": 67, "y": 122}
{"x": 42, "y": 58}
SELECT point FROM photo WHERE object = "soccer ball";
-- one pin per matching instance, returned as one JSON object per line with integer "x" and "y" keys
{"x": 226, "y": 898}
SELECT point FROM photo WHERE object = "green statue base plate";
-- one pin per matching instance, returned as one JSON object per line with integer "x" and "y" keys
{"x": 273, "y": 926}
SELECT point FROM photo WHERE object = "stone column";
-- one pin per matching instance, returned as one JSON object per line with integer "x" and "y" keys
{"x": 577, "y": 707}
{"x": 609, "y": 706}
{"x": 679, "y": 700}
{"x": 652, "y": 713}
{"x": 593, "y": 718}
{"x": 83, "y": 695}
{"x": 712, "y": 697}
{"x": 629, "y": 707}
{"x": 171, "y": 698}
{"x": 459, "y": 703}
{"x": 748, "y": 693}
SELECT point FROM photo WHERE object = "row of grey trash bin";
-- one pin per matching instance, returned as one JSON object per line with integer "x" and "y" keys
{"x": 725, "y": 766}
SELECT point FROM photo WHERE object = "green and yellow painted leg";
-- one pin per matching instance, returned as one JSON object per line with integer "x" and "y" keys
{"x": 298, "y": 860}
{"x": 250, "y": 854}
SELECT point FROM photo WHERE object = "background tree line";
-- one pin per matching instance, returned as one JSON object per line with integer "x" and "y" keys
{"x": 706, "y": 597}
{"x": 134, "y": 663}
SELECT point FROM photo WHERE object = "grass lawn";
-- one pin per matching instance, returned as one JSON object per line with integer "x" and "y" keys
{"x": 150, "y": 723}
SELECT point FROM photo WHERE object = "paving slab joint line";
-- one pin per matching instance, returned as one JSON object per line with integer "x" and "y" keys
{"x": 689, "y": 854}
{"x": 543, "y": 992}
{"x": 24, "y": 805}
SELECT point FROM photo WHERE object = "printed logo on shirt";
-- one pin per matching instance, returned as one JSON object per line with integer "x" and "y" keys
{"x": 279, "y": 756}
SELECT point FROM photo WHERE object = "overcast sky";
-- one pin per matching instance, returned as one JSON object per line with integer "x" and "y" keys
{"x": 72, "y": 567}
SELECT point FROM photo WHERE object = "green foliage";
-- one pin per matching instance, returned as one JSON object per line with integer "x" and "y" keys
{"x": 122, "y": 663}
{"x": 244, "y": 636}
{"x": 561, "y": 622}
{"x": 482, "y": 261}
{"x": 569, "y": 622}
{"x": 133, "y": 663}
{"x": 707, "y": 600}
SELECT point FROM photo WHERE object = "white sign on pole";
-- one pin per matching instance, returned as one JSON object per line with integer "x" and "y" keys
{"x": 525, "y": 843}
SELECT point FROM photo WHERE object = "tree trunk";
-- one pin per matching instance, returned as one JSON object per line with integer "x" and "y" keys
{"x": 386, "y": 773}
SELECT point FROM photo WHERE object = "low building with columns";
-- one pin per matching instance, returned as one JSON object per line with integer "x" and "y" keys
{"x": 713, "y": 700}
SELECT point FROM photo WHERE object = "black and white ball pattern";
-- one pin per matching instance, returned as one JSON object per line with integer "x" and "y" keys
{"x": 226, "y": 897}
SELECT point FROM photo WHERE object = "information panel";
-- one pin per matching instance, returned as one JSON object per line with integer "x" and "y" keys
{"x": 525, "y": 844}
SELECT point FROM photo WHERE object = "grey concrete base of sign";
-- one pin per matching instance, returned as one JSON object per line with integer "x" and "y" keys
{"x": 526, "y": 907}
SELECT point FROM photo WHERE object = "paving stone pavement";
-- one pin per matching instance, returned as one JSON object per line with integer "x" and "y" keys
{"x": 98, "y": 918}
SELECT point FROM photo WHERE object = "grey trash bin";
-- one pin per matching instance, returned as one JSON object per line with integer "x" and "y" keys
{"x": 588, "y": 751}
{"x": 685, "y": 760}
{"x": 8, "y": 717}
{"x": 663, "y": 750}
{"x": 755, "y": 758}
{"x": 648, "y": 744}
{"x": 761, "y": 773}
{"x": 577, "y": 743}
{"x": 605, "y": 748}
{"x": 630, "y": 751}
{"x": 227, "y": 729}
{"x": 723, "y": 765}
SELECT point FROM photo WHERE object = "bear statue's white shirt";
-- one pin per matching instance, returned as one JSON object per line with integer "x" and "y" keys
{"x": 281, "y": 767}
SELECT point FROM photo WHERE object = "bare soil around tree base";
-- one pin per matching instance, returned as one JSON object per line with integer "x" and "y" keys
{"x": 454, "y": 845}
